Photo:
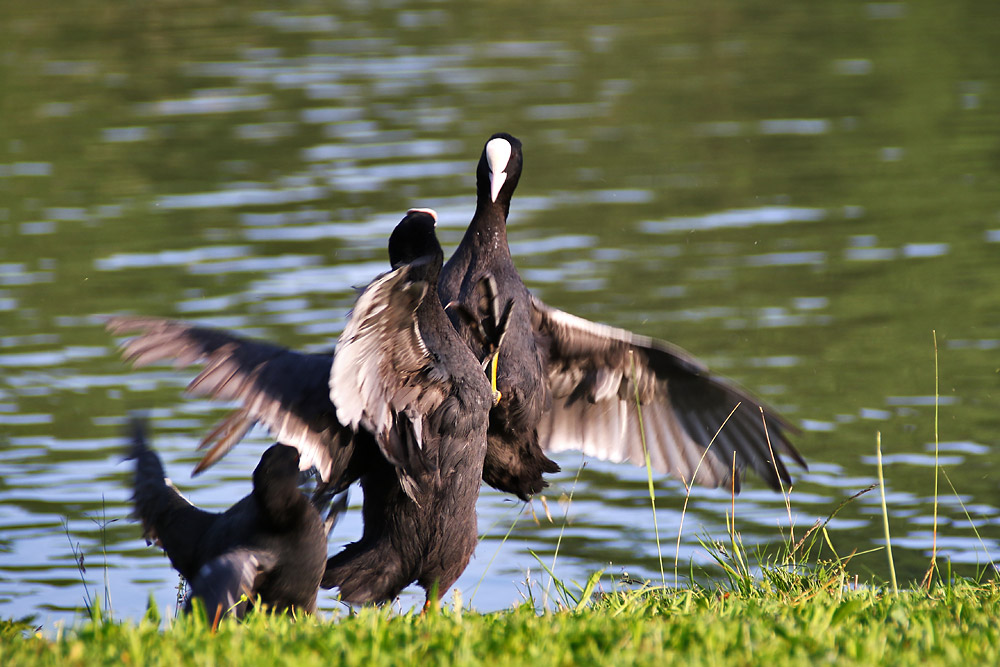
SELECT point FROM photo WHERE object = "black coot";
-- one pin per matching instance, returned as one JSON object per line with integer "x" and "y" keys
{"x": 402, "y": 374}
{"x": 567, "y": 383}
{"x": 402, "y": 406}
{"x": 272, "y": 543}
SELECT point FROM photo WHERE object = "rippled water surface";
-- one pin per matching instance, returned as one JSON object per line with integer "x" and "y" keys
{"x": 799, "y": 195}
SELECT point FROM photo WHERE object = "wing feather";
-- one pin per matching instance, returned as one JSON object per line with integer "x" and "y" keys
{"x": 285, "y": 391}
{"x": 228, "y": 583}
{"x": 384, "y": 378}
{"x": 595, "y": 372}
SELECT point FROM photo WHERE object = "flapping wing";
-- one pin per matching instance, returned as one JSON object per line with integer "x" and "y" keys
{"x": 227, "y": 584}
{"x": 286, "y": 391}
{"x": 384, "y": 378}
{"x": 595, "y": 370}
{"x": 169, "y": 520}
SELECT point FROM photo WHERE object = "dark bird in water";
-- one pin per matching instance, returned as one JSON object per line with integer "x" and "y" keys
{"x": 271, "y": 544}
{"x": 567, "y": 383}
{"x": 564, "y": 382}
{"x": 402, "y": 406}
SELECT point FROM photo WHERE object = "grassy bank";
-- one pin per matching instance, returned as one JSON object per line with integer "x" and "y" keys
{"x": 951, "y": 623}
{"x": 799, "y": 606}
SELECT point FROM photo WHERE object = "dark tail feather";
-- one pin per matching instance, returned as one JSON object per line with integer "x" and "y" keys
{"x": 366, "y": 574}
{"x": 168, "y": 519}
{"x": 150, "y": 491}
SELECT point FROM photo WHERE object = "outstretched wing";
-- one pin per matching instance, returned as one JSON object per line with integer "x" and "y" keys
{"x": 286, "y": 391}
{"x": 168, "y": 519}
{"x": 384, "y": 378}
{"x": 595, "y": 372}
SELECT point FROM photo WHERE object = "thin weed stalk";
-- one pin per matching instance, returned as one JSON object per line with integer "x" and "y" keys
{"x": 102, "y": 525}
{"x": 649, "y": 468}
{"x": 732, "y": 500}
{"x": 497, "y": 552}
{"x": 933, "y": 566}
{"x": 80, "y": 567}
{"x": 885, "y": 511}
{"x": 786, "y": 495}
{"x": 687, "y": 489}
{"x": 562, "y": 529}
{"x": 736, "y": 541}
{"x": 798, "y": 548}
{"x": 968, "y": 516}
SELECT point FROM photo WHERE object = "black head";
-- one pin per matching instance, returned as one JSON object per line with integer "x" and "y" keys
{"x": 414, "y": 238}
{"x": 276, "y": 486}
{"x": 499, "y": 169}
{"x": 278, "y": 466}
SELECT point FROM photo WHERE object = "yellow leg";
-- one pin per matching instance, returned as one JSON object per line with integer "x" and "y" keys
{"x": 493, "y": 378}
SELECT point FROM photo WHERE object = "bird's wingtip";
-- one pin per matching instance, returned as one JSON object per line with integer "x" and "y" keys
{"x": 136, "y": 432}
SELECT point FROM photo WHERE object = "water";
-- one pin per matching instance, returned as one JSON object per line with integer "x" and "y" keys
{"x": 797, "y": 195}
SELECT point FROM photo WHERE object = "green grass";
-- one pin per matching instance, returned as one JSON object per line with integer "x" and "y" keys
{"x": 794, "y": 605}
{"x": 791, "y": 606}
{"x": 814, "y": 621}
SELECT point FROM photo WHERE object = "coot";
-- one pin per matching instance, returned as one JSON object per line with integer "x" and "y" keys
{"x": 272, "y": 543}
{"x": 565, "y": 382}
{"x": 568, "y": 383}
{"x": 402, "y": 374}
{"x": 402, "y": 405}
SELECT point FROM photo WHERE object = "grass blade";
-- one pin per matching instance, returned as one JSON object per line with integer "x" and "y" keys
{"x": 933, "y": 566}
{"x": 649, "y": 468}
{"x": 495, "y": 553}
{"x": 588, "y": 590}
{"x": 885, "y": 511}
{"x": 687, "y": 488}
{"x": 562, "y": 529}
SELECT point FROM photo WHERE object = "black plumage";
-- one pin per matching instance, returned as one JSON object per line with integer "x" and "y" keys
{"x": 271, "y": 544}
{"x": 402, "y": 406}
{"x": 514, "y": 461}
{"x": 567, "y": 383}
{"x": 402, "y": 374}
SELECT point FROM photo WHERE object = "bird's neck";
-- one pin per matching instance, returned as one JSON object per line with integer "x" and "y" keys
{"x": 430, "y": 309}
{"x": 489, "y": 229}
{"x": 428, "y": 270}
{"x": 279, "y": 504}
